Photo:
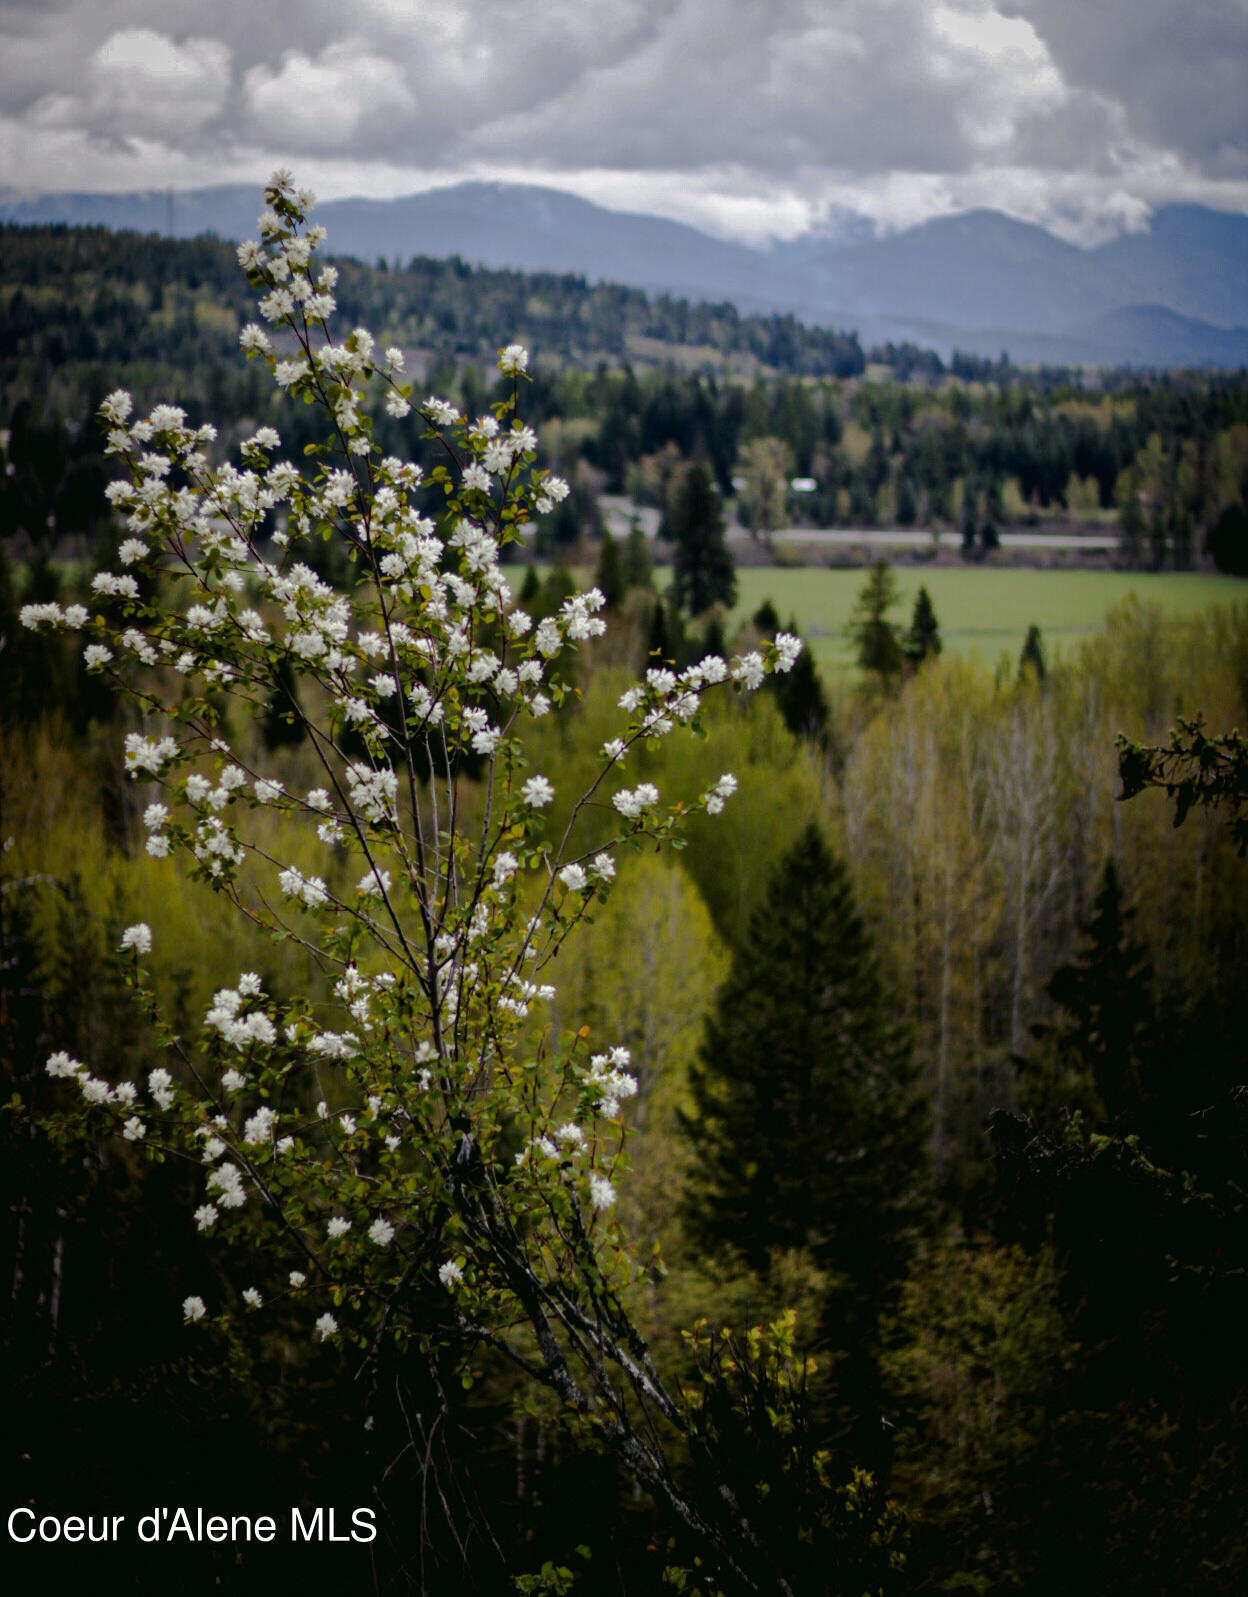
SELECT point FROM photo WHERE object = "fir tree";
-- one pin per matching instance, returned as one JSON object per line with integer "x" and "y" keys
{"x": 808, "y": 1129}
{"x": 658, "y": 640}
{"x": 1091, "y": 1056}
{"x": 923, "y": 638}
{"x": 702, "y": 568}
{"x": 798, "y": 693}
{"x": 767, "y": 619}
{"x": 530, "y": 587}
{"x": 873, "y": 635}
{"x": 715, "y": 639}
{"x": 638, "y": 567}
{"x": 970, "y": 506}
{"x": 609, "y": 577}
{"x": 1032, "y": 657}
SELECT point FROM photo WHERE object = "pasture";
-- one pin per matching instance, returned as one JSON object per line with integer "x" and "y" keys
{"x": 981, "y": 610}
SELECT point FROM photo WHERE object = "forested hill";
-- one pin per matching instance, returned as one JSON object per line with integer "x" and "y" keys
{"x": 87, "y": 295}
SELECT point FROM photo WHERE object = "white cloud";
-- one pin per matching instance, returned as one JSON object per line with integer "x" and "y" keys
{"x": 322, "y": 104}
{"x": 141, "y": 82}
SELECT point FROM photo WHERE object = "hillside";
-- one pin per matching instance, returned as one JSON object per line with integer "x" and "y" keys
{"x": 976, "y": 281}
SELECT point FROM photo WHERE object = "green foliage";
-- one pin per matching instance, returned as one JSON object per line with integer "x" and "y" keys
{"x": 1195, "y": 770}
{"x": 976, "y": 1356}
{"x": 609, "y": 577}
{"x": 766, "y": 465}
{"x": 1228, "y": 541}
{"x": 556, "y": 1580}
{"x": 1094, "y": 1057}
{"x": 702, "y": 569}
{"x": 820, "y": 1532}
{"x": 638, "y": 567}
{"x": 808, "y": 1130}
{"x": 283, "y": 725}
{"x": 872, "y": 634}
{"x": 799, "y": 692}
{"x": 922, "y": 641}
{"x": 1031, "y": 660}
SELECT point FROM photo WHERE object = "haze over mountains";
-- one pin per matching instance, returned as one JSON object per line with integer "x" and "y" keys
{"x": 979, "y": 281}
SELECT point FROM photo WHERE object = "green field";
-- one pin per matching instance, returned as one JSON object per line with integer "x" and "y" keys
{"x": 980, "y": 610}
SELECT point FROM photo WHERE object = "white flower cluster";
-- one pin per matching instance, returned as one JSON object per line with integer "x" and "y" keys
{"x": 372, "y": 792}
{"x": 631, "y": 803}
{"x": 73, "y": 616}
{"x": 227, "y": 1180}
{"x": 713, "y": 801}
{"x": 146, "y": 754}
{"x": 95, "y": 1091}
{"x": 240, "y": 1031}
{"x": 609, "y": 1075}
{"x": 310, "y": 890}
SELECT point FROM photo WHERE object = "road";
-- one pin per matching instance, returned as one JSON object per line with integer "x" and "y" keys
{"x": 619, "y": 512}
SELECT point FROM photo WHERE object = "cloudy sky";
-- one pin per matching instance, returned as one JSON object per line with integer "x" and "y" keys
{"x": 751, "y": 118}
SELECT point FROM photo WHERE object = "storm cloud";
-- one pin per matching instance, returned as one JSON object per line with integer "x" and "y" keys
{"x": 748, "y": 118}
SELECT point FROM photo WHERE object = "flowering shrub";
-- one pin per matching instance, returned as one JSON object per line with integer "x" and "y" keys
{"x": 450, "y": 1160}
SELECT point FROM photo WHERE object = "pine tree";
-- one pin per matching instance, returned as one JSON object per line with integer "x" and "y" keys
{"x": 638, "y": 567}
{"x": 923, "y": 638}
{"x": 808, "y": 1129}
{"x": 798, "y": 693}
{"x": 1091, "y": 1056}
{"x": 1032, "y": 657}
{"x": 970, "y": 507}
{"x": 873, "y": 635}
{"x": 702, "y": 568}
{"x": 609, "y": 577}
{"x": 767, "y": 618}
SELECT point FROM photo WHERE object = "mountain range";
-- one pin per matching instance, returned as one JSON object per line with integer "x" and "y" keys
{"x": 980, "y": 281}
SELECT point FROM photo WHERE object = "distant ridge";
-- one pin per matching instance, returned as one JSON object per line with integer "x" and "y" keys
{"x": 1176, "y": 294}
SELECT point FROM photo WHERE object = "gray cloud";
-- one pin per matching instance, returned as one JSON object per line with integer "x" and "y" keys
{"x": 1179, "y": 71}
{"x": 744, "y": 116}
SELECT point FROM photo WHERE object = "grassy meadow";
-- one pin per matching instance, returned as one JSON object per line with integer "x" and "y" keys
{"x": 981, "y": 610}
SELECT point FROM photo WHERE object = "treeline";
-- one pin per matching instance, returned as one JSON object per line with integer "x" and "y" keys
{"x": 81, "y": 295}
{"x": 627, "y": 390}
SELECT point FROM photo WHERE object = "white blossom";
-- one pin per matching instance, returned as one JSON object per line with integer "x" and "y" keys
{"x": 788, "y": 647}
{"x": 374, "y": 883}
{"x": 537, "y": 791}
{"x": 160, "y": 1085}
